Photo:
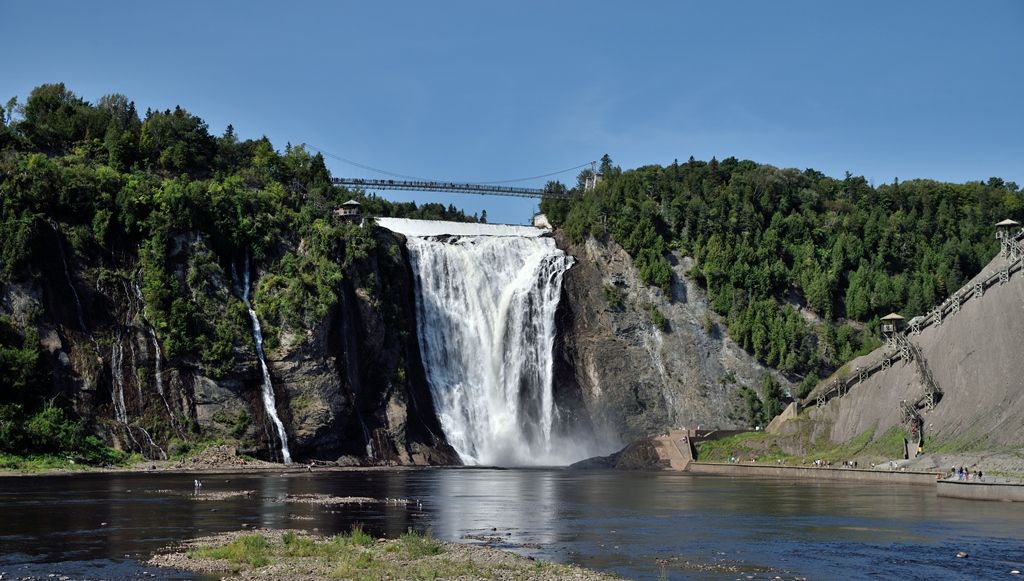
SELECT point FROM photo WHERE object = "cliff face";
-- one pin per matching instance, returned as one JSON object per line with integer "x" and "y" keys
{"x": 350, "y": 385}
{"x": 634, "y": 373}
{"x": 629, "y": 360}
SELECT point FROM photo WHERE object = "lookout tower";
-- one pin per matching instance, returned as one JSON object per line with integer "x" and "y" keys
{"x": 1006, "y": 232}
{"x": 891, "y": 325}
{"x": 349, "y": 212}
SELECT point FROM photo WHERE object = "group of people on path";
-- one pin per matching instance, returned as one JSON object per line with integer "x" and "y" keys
{"x": 961, "y": 473}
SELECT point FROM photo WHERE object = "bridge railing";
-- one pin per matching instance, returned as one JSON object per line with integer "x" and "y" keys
{"x": 457, "y": 187}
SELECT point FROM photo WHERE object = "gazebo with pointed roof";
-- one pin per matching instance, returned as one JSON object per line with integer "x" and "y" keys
{"x": 1004, "y": 229}
{"x": 891, "y": 324}
{"x": 1006, "y": 234}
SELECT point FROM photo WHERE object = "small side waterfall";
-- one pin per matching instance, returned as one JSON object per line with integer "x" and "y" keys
{"x": 148, "y": 447}
{"x": 158, "y": 358}
{"x": 117, "y": 378}
{"x": 486, "y": 326}
{"x": 267, "y": 387}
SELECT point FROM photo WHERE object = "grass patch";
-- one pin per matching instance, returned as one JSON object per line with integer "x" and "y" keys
{"x": 355, "y": 537}
{"x": 185, "y": 450}
{"x": 296, "y": 546}
{"x": 49, "y": 462}
{"x": 252, "y": 550}
{"x": 37, "y": 463}
{"x": 358, "y": 556}
{"x": 964, "y": 444}
{"x": 886, "y": 447}
{"x": 765, "y": 447}
{"x": 743, "y": 446}
{"x": 413, "y": 545}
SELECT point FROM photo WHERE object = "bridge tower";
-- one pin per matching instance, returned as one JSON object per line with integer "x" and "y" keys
{"x": 593, "y": 179}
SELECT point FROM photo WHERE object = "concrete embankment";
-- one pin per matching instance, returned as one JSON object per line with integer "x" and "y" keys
{"x": 980, "y": 490}
{"x": 792, "y": 472}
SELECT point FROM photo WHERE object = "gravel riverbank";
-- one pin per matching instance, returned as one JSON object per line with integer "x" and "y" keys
{"x": 276, "y": 554}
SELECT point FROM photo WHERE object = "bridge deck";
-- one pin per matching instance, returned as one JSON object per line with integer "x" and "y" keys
{"x": 461, "y": 188}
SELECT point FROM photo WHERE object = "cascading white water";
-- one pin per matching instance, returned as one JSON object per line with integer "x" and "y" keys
{"x": 267, "y": 388}
{"x": 121, "y": 410}
{"x": 158, "y": 356}
{"x": 117, "y": 378}
{"x": 486, "y": 326}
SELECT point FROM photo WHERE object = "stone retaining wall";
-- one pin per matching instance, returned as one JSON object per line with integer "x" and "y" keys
{"x": 980, "y": 490}
{"x": 765, "y": 471}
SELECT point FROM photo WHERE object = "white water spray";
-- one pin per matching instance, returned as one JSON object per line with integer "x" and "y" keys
{"x": 486, "y": 320}
{"x": 267, "y": 388}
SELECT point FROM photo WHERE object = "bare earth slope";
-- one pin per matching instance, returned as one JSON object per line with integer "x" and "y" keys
{"x": 976, "y": 357}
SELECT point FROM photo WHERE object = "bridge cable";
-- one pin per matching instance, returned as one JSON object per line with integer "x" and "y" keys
{"x": 366, "y": 167}
{"x": 547, "y": 175}
{"x": 408, "y": 177}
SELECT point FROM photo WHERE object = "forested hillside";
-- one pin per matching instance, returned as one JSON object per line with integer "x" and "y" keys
{"x": 772, "y": 244}
{"x": 155, "y": 208}
{"x": 125, "y": 239}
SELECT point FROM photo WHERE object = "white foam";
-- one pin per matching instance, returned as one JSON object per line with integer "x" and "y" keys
{"x": 427, "y": 228}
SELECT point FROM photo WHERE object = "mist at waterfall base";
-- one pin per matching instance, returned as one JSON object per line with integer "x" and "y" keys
{"x": 485, "y": 307}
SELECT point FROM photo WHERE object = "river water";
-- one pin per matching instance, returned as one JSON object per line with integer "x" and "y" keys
{"x": 638, "y": 525}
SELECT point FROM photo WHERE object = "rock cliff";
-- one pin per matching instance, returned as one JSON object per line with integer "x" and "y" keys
{"x": 350, "y": 385}
{"x": 639, "y": 361}
{"x": 630, "y": 361}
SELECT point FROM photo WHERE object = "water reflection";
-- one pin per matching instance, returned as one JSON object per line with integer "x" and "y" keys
{"x": 102, "y": 525}
{"x": 522, "y": 505}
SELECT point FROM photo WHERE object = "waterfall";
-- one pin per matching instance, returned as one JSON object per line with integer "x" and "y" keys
{"x": 267, "y": 387}
{"x": 367, "y": 437}
{"x": 485, "y": 310}
{"x": 117, "y": 378}
{"x": 158, "y": 356}
{"x": 158, "y": 371}
{"x": 121, "y": 410}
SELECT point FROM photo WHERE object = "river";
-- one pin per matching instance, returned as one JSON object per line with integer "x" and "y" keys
{"x": 638, "y": 525}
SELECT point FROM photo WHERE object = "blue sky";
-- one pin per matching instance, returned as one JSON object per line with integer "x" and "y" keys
{"x": 482, "y": 91}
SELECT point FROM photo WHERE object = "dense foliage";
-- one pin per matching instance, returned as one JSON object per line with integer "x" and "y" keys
{"x": 774, "y": 245}
{"x": 160, "y": 204}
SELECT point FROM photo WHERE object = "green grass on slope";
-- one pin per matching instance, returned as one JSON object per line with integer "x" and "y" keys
{"x": 769, "y": 447}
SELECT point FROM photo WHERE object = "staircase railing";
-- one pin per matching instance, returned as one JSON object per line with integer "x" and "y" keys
{"x": 902, "y": 348}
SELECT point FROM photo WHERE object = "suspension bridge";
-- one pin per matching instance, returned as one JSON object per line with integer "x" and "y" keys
{"x": 455, "y": 187}
{"x": 396, "y": 181}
